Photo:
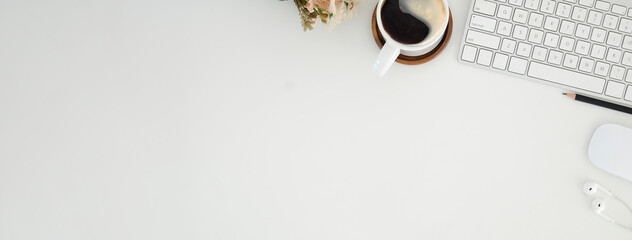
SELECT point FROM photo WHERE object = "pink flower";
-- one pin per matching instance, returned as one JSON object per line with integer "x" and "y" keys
{"x": 329, "y": 5}
{"x": 310, "y": 6}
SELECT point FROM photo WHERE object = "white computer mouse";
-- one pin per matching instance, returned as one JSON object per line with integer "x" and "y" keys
{"x": 611, "y": 150}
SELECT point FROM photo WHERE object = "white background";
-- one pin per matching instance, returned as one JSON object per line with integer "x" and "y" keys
{"x": 185, "y": 119}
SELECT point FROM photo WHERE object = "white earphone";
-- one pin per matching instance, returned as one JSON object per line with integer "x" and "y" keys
{"x": 591, "y": 188}
{"x": 599, "y": 205}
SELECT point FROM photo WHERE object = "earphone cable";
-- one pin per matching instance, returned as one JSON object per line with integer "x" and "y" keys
{"x": 629, "y": 210}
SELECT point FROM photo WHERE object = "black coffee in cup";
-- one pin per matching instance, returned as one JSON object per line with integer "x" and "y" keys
{"x": 403, "y": 27}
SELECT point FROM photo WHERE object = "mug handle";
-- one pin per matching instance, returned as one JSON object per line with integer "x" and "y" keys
{"x": 385, "y": 59}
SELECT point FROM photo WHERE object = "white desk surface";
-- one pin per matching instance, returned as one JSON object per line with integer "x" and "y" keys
{"x": 224, "y": 120}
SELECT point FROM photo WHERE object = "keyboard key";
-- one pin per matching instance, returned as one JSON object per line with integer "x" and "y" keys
{"x": 601, "y": 69}
{"x": 524, "y": 49}
{"x": 627, "y": 59}
{"x": 628, "y": 77}
{"x": 570, "y": 61}
{"x": 594, "y": 18}
{"x": 615, "y": 89}
{"x": 582, "y": 31}
{"x": 504, "y": 28}
{"x": 536, "y": 19}
{"x": 551, "y": 40}
{"x": 504, "y": 12}
{"x": 598, "y": 35}
{"x": 579, "y": 14}
{"x": 500, "y": 61}
{"x": 485, "y": 7}
{"x": 539, "y": 53}
{"x": 483, "y": 23}
{"x": 508, "y": 46}
{"x": 563, "y": 10}
{"x": 582, "y": 48}
{"x": 517, "y": 65}
{"x": 598, "y": 51}
{"x": 482, "y": 39}
{"x": 567, "y": 44}
{"x": 627, "y": 42}
{"x": 614, "y": 39}
{"x": 628, "y": 95}
{"x": 617, "y": 72}
{"x": 555, "y": 57}
{"x": 469, "y": 53}
{"x": 484, "y": 57}
{"x": 516, "y": 2}
{"x": 532, "y": 4}
{"x": 586, "y": 65}
{"x": 587, "y": 3}
{"x": 548, "y": 6}
{"x": 520, "y": 16}
{"x": 613, "y": 56}
{"x": 566, "y": 77}
{"x": 520, "y": 32}
{"x": 567, "y": 27}
{"x": 601, "y": 5}
{"x": 625, "y": 25}
{"x": 618, "y": 9}
{"x": 610, "y": 21}
{"x": 551, "y": 23}
{"x": 535, "y": 36}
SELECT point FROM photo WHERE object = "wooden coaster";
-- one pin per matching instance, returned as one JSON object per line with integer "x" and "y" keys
{"x": 414, "y": 60}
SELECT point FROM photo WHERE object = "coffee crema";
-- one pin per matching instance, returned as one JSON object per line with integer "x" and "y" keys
{"x": 412, "y": 21}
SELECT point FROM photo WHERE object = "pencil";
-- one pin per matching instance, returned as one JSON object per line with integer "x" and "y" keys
{"x": 597, "y": 102}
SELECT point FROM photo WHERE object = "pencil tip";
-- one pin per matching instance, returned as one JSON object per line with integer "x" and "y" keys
{"x": 571, "y": 95}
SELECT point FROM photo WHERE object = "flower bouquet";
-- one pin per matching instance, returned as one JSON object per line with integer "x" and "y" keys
{"x": 329, "y": 12}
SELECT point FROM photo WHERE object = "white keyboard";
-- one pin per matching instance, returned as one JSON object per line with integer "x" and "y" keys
{"x": 581, "y": 45}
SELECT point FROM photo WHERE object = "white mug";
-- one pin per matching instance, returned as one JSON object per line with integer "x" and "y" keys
{"x": 391, "y": 49}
